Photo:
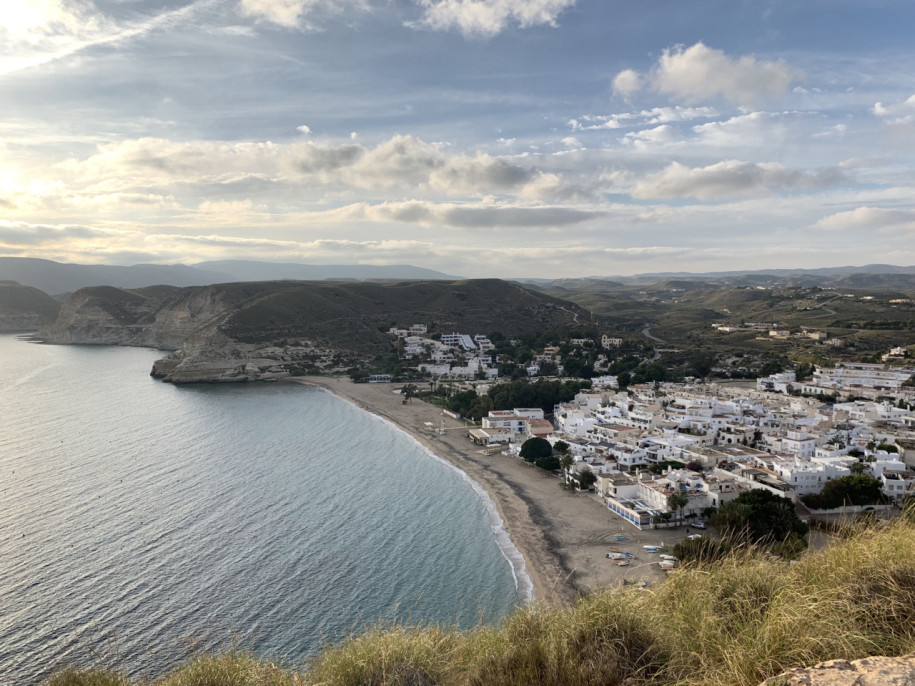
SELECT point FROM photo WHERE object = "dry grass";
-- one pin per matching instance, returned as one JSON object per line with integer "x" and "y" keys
{"x": 736, "y": 622}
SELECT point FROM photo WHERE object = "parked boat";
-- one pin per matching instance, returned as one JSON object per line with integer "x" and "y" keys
{"x": 623, "y": 563}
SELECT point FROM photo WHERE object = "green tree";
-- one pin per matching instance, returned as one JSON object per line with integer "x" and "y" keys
{"x": 549, "y": 463}
{"x": 759, "y": 516}
{"x": 561, "y": 447}
{"x": 586, "y": 479}
{"x": 534, "y": 448}
{"x": 566, "y": 461}
{"x": 677, "y": 501}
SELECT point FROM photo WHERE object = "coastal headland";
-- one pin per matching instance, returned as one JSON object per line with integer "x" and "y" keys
{"x": 563, "y": 536}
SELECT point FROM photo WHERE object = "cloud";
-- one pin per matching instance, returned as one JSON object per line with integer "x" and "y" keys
{"x": 868, "y": 218}
{"x": 465, "y": 216}
{"x": 627, "y": 83}
{"x": 699, "y": 73}
{"x": 656, "y": 115}
{"x": 291, "y": 13}
{"x": 486, "y": 18}
{"x": 760, "y": 130}
{"x": 22, "y": 234}
{"x": 659, "y": 135}
{"x": 164, "y": 167}
{"x": 899, "y": 113}
{"x": 732, "y": 178}
{"x": 36, "y": 32}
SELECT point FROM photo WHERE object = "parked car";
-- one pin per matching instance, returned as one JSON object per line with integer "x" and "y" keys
{"x": 698, "y": 525}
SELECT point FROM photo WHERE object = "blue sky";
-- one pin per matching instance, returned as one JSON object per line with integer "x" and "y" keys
{"x": 514, "y": 138}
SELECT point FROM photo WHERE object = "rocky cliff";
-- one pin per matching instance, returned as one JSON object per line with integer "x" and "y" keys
{"x": 189, "y": 322}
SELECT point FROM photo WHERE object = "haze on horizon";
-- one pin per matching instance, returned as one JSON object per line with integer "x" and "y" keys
{"x": 512, "y": 138}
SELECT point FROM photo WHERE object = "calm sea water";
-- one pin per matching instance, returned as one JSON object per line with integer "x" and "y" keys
{"x": 139, "y": 519}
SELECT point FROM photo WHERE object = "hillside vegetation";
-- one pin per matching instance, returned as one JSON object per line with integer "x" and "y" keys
{"x": 740, "y": 621}
{"x": 23, "y": 307}
{"x": 360, "y": 314}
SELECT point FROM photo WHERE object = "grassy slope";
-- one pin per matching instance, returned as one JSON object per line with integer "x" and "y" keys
{"x": 735, "y": 623}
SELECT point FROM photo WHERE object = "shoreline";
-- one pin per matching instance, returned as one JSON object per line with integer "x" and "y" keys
{"x": 562, "y": 537}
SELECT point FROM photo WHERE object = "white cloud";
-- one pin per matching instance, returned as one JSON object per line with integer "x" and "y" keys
{"x": 304, "y": 129}
{"x": 699, "y": 73}
{"x": 863, "y": 218}
{"x": 755, "y": 129}
{"x": 899, "y": 113}
{"x": 291, "y": 13}
{"x": 732, "y": 178}
{"x": 35, "y": 32}
{"x": 489, "y": 17}
{"x": 627, "y": 83}
{"x": 656, "y": 115}
{"x": 659, "y": 135}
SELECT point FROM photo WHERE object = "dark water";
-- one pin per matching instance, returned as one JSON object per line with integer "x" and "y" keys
{"x": 138, "y": 518}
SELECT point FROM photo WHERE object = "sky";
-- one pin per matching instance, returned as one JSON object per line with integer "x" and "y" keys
{"x": 482, "y": 138}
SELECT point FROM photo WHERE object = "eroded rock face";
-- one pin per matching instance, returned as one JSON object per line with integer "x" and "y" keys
{"x": 870, "y": 671}
{"x": 220, "y": 359}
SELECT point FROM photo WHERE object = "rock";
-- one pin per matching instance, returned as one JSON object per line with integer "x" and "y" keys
{"x": 869, "y": 671}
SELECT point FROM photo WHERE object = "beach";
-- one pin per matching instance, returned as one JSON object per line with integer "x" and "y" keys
{"x": 563, "y": 536}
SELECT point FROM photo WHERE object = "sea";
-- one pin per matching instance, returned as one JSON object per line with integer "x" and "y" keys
{"x": 142, "y": 523}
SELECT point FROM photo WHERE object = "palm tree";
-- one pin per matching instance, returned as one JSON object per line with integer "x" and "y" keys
{"x": 677, "y": 501}
{"x": 566, "y": 461}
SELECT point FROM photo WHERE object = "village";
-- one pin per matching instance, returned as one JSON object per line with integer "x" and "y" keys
{"x": 661, "y": 455}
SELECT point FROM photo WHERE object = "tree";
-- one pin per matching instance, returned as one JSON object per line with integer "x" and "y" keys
{"x": 677, "y": 501}
{"x": 534, "y": 448}
{"x": 759, "y": 516}
{"x": 549, "y": 463}
{"x": 561, "y": 447}
{"x": 586, "y": 479}
{"x": 566, "y": 461}
{"x": 408, "y": 392}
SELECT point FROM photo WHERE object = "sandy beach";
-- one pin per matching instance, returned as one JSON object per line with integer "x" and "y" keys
{"x": 563, "y": 537}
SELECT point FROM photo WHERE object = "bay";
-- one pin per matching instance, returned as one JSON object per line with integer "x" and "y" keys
{"x": 140, "y": 521}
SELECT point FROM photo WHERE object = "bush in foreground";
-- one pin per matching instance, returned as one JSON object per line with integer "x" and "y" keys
{"x": 737, "y": 621}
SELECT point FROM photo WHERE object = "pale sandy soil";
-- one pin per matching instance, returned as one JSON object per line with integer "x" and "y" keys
{"x": 563, "y": 537}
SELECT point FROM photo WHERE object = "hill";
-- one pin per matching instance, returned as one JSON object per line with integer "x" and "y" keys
{"x": 23, "y": 308}
{"x": 737, "y": 622}
{"x": 239, "y": 331}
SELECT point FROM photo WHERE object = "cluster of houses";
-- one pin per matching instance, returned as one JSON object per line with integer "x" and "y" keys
{"x": 729, "y": 440}
{"x": 459, "y": 356}
{"x": 855, "y": 379}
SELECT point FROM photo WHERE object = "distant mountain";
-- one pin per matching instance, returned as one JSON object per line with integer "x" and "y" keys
{"x": 248, "y": 270}
{"x": 58, "y": 278}
{"x": 871, "y": 276}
